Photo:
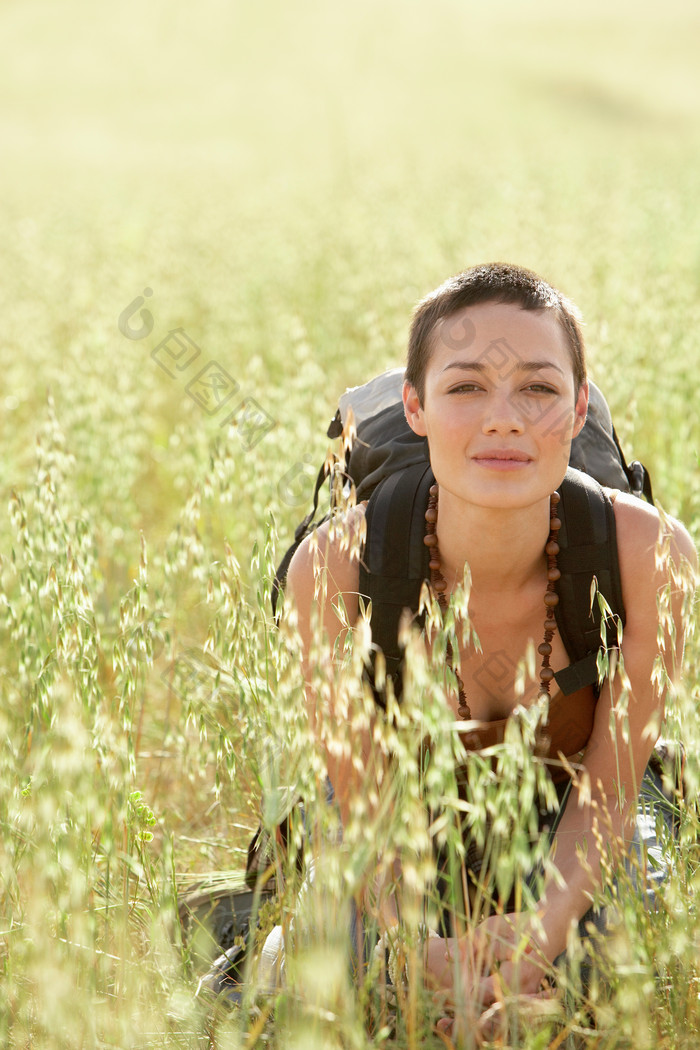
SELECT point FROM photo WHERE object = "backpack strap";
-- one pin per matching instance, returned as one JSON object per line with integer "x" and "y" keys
{"x": 588, "y": 548}
{"x": 636, "y": 473}
{"x": 300, "y": 533}
{"x": 395, "y": 559}
{"x": 395, "y": 566}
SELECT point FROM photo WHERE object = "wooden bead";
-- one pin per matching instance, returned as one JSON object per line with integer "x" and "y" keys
{"x": 554, "y": 499}
{"x": 546, "y": 674}
{"x": 463, "y": 711}
{"x": 544, "y": 649}
{"x": 431, "y": 515}
{"x": 440, "y": 586}
{"x": 432, "y": 563}
{"x": 555, "y": 524}
{"x": 553, "y": 573}
{"x": 551, "y": 599}
{"x": 552, "y": 548}
{"x": 430, "y": 540}
{"x": 433, "y": 490}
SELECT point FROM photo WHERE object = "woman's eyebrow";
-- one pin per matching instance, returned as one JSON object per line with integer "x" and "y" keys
{"x": 519, "y": 365}
{"x": 537, "y": 366}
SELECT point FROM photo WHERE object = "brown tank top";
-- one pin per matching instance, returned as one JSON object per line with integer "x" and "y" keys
{"x": 566, "y": 733}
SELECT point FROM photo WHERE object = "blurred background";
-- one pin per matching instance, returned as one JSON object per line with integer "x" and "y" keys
{"x": 289, "y": 180}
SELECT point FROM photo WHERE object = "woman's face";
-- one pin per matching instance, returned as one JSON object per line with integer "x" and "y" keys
{"x": 500, "y": 407}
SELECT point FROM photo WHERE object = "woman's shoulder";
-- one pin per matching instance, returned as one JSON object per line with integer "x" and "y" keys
{"x": 654, "y": 551}
{"x": 649, "y": 535}
{"x": 328, "y": 559}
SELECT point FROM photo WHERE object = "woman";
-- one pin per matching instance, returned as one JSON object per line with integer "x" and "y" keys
{"x": 496, "y": 382}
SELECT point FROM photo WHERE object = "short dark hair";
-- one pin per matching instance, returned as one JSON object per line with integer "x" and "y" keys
{"x": 490, "y": 283}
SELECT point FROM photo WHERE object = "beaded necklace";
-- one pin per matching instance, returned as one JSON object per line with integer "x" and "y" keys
{"x": 551, "y": 598}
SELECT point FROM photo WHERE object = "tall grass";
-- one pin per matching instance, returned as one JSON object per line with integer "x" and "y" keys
{"x": 288, "y": 182}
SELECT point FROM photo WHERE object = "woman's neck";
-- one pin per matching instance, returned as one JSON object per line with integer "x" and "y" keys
{"x": 503, "y": 548}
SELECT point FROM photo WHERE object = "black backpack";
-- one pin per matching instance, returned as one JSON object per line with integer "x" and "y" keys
{"x": 387, "y": 463}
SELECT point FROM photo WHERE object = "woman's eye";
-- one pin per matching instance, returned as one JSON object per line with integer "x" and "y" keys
{"x": 540, "y": 388}
{"x": 465, "y": 388}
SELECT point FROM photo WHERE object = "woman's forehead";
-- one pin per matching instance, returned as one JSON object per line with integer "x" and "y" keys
{"x": 500, "y": 335}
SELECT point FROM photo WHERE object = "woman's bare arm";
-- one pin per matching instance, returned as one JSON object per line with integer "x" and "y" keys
{"x": 322, "y": 589}
{"x": 656, "y": 557}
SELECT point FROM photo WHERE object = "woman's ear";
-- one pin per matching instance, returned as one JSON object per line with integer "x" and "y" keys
{"x": 580, "y": 409}
{"x": 413, "y": 409}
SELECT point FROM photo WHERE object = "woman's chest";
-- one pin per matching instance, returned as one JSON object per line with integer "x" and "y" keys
{"x": 500, "y": 665}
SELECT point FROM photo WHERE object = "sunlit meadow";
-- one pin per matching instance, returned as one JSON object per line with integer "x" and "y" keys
{"x": 262, "y": 192}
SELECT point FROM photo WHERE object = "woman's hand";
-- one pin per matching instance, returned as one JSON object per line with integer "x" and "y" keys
{"x": 498, "y": 954}
{"x": 444, "y": 966}
{"x": 439, "y": 967}
{"x": 499, "y": 960}
{"x": 504, "y": 949}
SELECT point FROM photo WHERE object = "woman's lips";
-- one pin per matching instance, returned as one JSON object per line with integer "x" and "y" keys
{"x": 505, "y": 459}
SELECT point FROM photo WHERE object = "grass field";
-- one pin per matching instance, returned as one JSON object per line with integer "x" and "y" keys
{"x": 286, "y": 181}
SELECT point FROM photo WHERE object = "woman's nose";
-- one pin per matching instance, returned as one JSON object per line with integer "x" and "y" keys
{"x": 502, "y": 415}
